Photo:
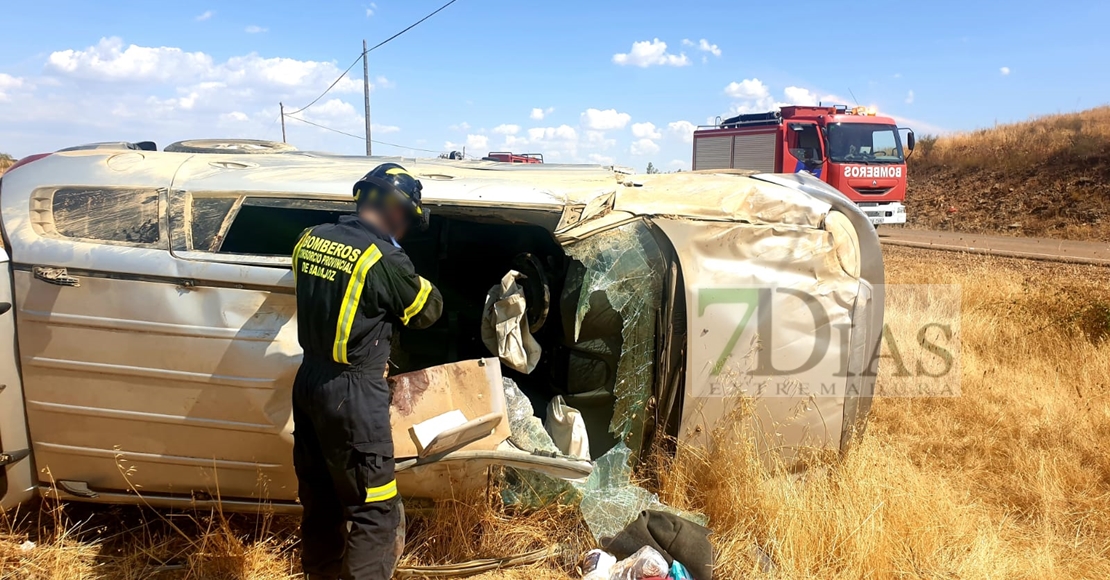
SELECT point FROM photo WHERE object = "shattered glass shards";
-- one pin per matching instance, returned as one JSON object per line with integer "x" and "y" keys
{"x": 611, "y": 501}
{"x": 520, "y": 487}
{"x": 625, "y": 264}
{"x": 623, "y": 273}
{"x": 527, "y": 431}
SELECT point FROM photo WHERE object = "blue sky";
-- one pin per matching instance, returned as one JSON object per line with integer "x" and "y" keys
{"x": 547, "y": 77}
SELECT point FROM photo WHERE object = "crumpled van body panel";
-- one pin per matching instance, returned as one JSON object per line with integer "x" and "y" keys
{"x": 158, "y": 342}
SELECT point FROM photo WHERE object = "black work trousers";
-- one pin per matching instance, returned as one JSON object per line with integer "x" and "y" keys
{"x": 353, "y": 525}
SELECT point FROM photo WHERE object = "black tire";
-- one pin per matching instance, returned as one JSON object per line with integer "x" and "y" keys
{"x": 232, "y": 146}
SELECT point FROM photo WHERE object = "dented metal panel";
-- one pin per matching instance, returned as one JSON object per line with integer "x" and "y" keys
{"x": 762, "y": 300}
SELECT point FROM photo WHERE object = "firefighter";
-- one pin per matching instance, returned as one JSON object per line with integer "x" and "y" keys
{"x": 354, "y": 283}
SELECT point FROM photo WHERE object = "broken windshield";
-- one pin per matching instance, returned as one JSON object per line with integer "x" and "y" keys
{"x": 614, "y": 296}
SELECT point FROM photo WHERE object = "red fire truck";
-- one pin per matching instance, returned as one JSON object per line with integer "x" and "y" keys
{"x": 507, "y": 157}
{"x": 854, "y": 150}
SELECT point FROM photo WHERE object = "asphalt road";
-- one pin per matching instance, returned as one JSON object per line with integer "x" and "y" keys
{"x": 1030, "y": 248}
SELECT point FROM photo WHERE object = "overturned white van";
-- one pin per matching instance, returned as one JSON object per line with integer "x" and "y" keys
{"x": 151, "y": 331}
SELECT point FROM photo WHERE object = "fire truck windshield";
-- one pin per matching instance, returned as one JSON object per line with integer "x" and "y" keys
{"x": 864, "y": 143}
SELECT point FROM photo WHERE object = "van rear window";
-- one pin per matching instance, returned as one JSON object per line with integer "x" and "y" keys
{"x": 107, "y": 214}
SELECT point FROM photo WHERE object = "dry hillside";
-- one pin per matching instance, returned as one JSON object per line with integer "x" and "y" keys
{"x": 6, "y": 161}
{"x": 1047, "y": 177}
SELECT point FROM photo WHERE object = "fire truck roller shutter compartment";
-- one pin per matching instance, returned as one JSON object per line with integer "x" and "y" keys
{"x": 755, "y": 151}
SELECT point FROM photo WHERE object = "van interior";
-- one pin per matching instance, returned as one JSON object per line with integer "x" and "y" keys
{"x": 465, "y": 254}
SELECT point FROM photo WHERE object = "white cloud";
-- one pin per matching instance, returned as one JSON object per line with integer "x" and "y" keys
{"x": 255, "y": 29}
{"x": 747, "y": 89}
{"x": 680, "y": 164}
{"x": 646, "y": 131}
{"x": 752, "y": 96}
{"x": 650, "y": 53}
{"x": 109, "y": 61}
{"x": 507, "y": 129}
{"x": 909, "y": 98}
{"x": 8, "y": 83}
{"x": 682, "y": 129}
{"x": 703, "y": 45}
{"x": 384, "y": 129}
{"x": 604, "y": 120}
{"x": 371, "y": 9}
{"x": 538, "y": 114}
{"x": 1004, "y": 70}
{"x": 800, "y": 96}
{"x": 464, "y": 126}
{"x": 600, "y": 159}
{"x": 477, "y": 145}
{"x": 206, "y": 15}
{"x": 644, "y": 147}
{"x": 118, "y": 90}
{"x": 599, "y": 140}
{"x": 560, "y": 133}
{"x": 384, "y": 83}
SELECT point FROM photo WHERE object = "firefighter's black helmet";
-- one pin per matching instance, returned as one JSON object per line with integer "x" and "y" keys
{"x": 390, "y": 183}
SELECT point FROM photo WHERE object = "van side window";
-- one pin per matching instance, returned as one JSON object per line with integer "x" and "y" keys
{"x": 122, "y": 215}
{"x": 258, "y": 226}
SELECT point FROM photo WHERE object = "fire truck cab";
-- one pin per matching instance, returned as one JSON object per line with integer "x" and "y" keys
{"x": 854, "y": 150}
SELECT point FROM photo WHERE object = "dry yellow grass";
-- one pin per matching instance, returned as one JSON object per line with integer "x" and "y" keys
{"x": 1010, "y": 480}
{"x": 1046, "y": 177}
{"x": 1018, "y": 146}
{"x": 6, "y": 161}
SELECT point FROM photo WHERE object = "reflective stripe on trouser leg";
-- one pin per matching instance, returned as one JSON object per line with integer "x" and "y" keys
{"x": 351, "y": 299}
{"x": 382, "y": 492}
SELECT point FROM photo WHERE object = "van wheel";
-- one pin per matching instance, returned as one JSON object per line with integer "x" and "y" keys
{"x": 237, "y": 146}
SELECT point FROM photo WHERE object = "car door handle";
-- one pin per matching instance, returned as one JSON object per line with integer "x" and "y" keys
{"x": 5, "y": 307}
{"x": 56, "y": 276}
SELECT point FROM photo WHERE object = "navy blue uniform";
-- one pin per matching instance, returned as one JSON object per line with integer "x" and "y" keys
{"x": 352, "y": 285}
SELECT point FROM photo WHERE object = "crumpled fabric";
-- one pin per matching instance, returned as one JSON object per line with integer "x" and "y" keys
{"x": 505, "y": 326}
{"x": 567, "y": 429}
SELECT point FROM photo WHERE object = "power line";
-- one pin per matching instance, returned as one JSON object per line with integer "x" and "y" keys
{"x": 371, "y": 49}
{"x": 359, "y": 137}
{"x": 413, "y": 25}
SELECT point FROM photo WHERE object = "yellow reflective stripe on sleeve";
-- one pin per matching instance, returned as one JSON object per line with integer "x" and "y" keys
{"x": 382, "y": 493}
{"x": 418, "y": 303}
{"x": 351, "y": 300}
{"x": 297, "y": 250}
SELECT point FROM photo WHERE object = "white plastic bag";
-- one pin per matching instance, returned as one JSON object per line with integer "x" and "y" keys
{"x": 647, "y": 562}
{"x": 505, "y": 326}
{"x": 567, "y": 429}
{"x": 597, "y": 565}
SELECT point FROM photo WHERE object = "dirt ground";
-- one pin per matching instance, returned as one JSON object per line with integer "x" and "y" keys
{"x": 1009, "y": 480}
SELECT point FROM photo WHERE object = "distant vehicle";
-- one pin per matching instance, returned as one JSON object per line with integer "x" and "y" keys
{"x": 506, "y": 157}
{"x": 854, "y": 150}
{"x": 148, "y": 330}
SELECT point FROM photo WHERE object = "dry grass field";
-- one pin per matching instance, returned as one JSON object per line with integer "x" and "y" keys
{"x": 1049, "y": 176}
{"x": 1010, "y": 480}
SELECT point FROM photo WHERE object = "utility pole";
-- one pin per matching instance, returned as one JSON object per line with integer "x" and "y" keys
{"x": 282, "y": 106}
{"x": 366, "y": 95}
